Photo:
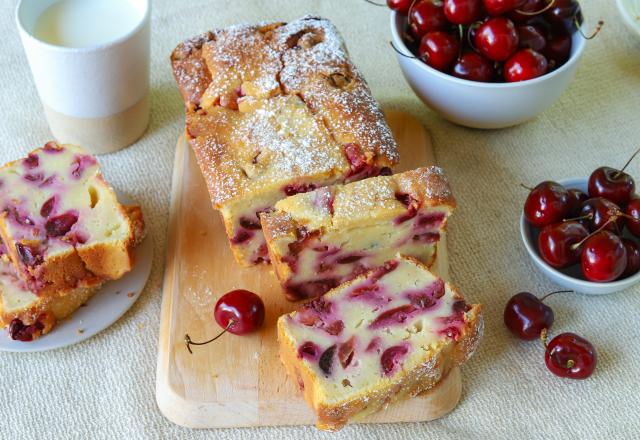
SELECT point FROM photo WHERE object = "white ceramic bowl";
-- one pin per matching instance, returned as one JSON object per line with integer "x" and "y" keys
{"x": 570, "y": 278}
{"x": 630, "y": 12}
{"x": 483, "y": 105}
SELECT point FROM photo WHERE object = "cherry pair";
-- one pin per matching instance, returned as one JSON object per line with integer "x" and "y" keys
{"x": 567, "y": 355}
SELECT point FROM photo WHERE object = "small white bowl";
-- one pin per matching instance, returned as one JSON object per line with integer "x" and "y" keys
{"x": 483, "y": 105}
{"x": 630, "y": 12}
{"x": 572, "y": 277}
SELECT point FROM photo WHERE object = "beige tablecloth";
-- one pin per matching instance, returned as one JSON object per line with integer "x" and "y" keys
{"x": 104, "y": 387}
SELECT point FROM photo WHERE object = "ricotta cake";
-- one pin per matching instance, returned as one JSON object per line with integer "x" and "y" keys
{"x": 26, "y": 315}
{"x": 320, "y": 239}
{"x": 387, "y": 335}
{"x": 273, "y": 110}
{"x": 61, "y": 223}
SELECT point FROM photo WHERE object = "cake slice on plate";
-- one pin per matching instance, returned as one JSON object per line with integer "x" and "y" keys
{"x": 273, "y": 110}
{"x": 387, "y": 335}
{"x": 323, "y": 238}
{"x": 61, "y": 223}
{"x": 27, "y": 315}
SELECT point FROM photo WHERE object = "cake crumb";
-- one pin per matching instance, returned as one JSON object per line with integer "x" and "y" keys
{"x": 140, "y": 325}
{"x": 80, "y": 331}
{"x": 131, "y": 294}
{"x": 117, "y": 292}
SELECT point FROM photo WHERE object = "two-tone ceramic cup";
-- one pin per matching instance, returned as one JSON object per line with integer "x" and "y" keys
{"x": 93, "y": 95}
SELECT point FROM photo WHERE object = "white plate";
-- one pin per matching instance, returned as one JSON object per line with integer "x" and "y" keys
{"x": 102, "y": 310}
{"x": 630, "y": 12}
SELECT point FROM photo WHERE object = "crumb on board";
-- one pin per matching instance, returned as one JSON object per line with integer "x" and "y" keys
{"x": 80, "y": 331}
{"x": 140, "y": 325}
{"x": 131, "y": 294}
{"x": 117, "y": 292}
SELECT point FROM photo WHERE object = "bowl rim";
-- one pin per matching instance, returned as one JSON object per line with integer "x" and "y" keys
{"x": 525, "y": 228}
{"x": 398, "y": 42}
{"x": 623, "y": 9}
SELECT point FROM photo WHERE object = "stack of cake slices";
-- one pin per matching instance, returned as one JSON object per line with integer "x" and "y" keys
{"x": 63, "y": 233}
{"x": 298, "y": 158}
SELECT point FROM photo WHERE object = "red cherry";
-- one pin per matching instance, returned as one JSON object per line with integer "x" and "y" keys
{"x": 633, "y": 223}
{"x": 604, "y": 257}
{"x": 633, "y": 258}
{"x": 400, "y": 6}
{"x": 497, "y": 38}
{"x": 530, "y": 37}
{"x": 525, "y": 315}
{"x": 558, "y": 243}
{"x": 439, "y": 49}
{"x": 239, "y": 312}
{"x": 462, "y": 12}
{"x": 524, "y": 65}
{"x": 563, "y": 15}
{"x": 546, "y": 204}
{"x": 427, "y": 16}
{"x": 568, "y": 355}
{"x": 600, "y": 211}
{"x": 557, "y": 50}
{"x": 576, "y": 199}
{"x": 612, "y": 184}
{"x": 499, "y": 7}
{"x": 474, "y": 67}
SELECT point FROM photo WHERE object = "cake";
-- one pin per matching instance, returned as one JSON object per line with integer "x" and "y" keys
{"x": 273, "y": 110}
{"x": 384, "y": 336}
{"x": 320, "y": 239}
{"x": 26, "y": 315}
{"x": 61, "y": 223}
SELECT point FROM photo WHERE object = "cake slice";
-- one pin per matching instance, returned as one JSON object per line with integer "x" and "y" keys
{"x": 273, "y": 110}
{"x": 323, "y": 238}
{"x": 26, "y": 315}
{"x": 387, "y": 335}
{"x": 62, "y": 225}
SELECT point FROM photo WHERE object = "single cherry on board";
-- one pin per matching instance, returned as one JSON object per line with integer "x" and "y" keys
{"x": 633, "y": 258}
{"x": 604, "y": 257}
{"x": 239, "y": 312}
{"x": 633, "y": 219}
{"x": 571, "y": 356}
{"x": 496, "y": 38}
{"x": 526, "y": 315}
{"x": 525, "y": 64}
{"x": 615, "y": 185}
{"x": 559, "y": 243}
{"x": 546, "y": 204}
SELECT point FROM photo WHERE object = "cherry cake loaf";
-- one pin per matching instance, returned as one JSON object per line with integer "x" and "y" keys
{"x": 323, "y": 238}
{"x": 273, "y": 110}
{"x": 387, "y": 335}
{"x": 61, "y": 223}
{"x": 28, "y": 315}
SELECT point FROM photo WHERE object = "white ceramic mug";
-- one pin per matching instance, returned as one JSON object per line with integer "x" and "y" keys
{"x": 96, "y": 96}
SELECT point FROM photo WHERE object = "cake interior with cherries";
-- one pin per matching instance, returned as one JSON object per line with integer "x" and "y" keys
{"x": 325, "y": 237}
{"x": 387, "y": 335}
{"x": 273, "y": 110}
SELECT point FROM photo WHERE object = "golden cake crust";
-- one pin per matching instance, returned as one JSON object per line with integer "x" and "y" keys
{"x": 227, "y": 78}
{"x": 437, "y": 363}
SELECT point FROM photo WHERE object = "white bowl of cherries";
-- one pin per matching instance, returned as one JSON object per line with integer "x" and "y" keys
{"x": 583, "y": 233}
{"x": 488, "y": 63}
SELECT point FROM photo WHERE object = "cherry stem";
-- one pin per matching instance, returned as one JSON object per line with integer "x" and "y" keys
{"x": 189, "y": 342}
{"x": 613, "y": 218}
{"x": 626, "y": 164}
{"x": 593, "y": 35}
{"x": 461, "y": 34}
{"x": 553, "y": 293}
{"x": 526, "y": 187}
{"x": 543, "y": 338}
{"x": 376, "y": 4}
{"x": 546, "y": 8}
{"x": 405, "y": 55}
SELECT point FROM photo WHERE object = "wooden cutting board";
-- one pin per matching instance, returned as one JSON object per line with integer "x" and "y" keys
{"x": 238, "y": 381}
